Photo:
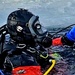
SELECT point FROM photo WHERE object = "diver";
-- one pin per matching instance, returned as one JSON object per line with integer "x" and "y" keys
{"x": 24, "y": 42}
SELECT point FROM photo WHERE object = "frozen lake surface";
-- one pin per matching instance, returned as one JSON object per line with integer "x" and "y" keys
{"x": 52, "y": 13}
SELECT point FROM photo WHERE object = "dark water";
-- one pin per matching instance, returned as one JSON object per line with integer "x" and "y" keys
{"x": 67, "y": 53}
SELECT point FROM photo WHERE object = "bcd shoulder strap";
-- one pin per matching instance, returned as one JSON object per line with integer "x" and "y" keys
{"x": 3, "y": 32}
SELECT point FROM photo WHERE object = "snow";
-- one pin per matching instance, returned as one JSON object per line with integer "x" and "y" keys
{"x": 52, "y": 13}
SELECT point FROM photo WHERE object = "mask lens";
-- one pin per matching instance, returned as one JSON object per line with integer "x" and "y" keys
{"x": 38, "y": 26}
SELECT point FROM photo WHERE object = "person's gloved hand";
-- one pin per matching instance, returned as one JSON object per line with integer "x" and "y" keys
{"x": 66, "y": 41}
{"x": 69, "y": 37}
{"x": 47, "y": 41}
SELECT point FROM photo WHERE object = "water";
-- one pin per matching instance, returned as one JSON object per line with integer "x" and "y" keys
{"x": 68, "y": 55}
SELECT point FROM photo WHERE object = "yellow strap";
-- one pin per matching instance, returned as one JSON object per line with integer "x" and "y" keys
{"x": 44, "y": 56}
{"x": 51, "y": 67}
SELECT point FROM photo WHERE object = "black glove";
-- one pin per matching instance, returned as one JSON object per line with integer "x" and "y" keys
{"x": 47, "y": 41}
{"x": 66, "y": 41}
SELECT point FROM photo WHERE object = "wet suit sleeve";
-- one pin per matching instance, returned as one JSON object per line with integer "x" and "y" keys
{"x": 71, "y": 34}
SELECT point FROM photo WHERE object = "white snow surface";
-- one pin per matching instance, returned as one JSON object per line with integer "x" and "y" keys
{"x": 52, "y": 13}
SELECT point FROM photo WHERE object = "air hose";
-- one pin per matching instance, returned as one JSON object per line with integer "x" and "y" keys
{"x": 51, "y": 67}
{"x": 62, "y": 29}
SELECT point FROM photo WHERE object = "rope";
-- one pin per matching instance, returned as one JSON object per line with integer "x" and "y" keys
{"x": 62, "y": 30}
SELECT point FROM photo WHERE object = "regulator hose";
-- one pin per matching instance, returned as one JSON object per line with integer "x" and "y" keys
{"x": 51, "y": 67}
